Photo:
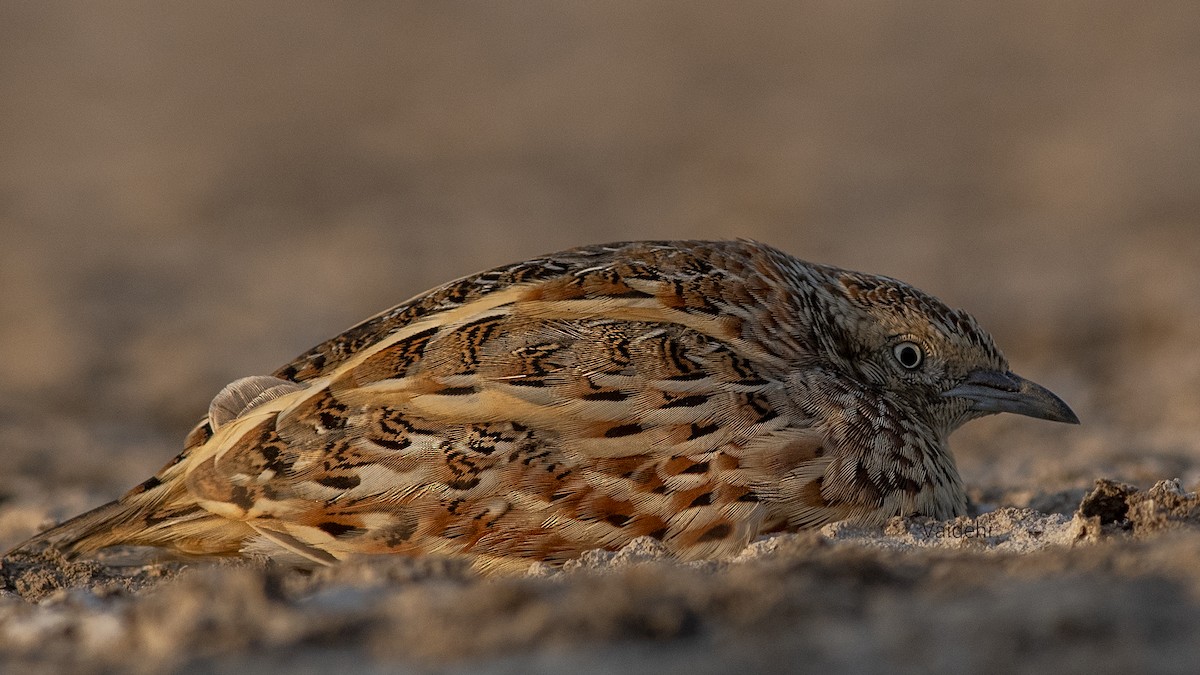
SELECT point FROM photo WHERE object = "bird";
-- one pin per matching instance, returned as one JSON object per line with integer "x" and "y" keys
{"x": 700, "y": 393}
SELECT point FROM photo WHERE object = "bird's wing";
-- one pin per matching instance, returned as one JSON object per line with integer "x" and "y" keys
{"x": 697, "y": 270}
{"x": 536, "y": 420}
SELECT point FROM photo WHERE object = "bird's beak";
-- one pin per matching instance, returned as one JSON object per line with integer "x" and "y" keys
{"x": 991, "y": 391}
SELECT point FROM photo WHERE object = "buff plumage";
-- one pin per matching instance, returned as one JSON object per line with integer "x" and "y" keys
{"x": 700, "y": 393}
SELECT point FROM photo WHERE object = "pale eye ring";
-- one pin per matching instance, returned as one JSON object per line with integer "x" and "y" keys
{"x": 909, "y": 355}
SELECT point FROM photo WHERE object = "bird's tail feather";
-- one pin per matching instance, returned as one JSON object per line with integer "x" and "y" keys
{"x": 95, "y": 529}
{"x": 161, "y": 516}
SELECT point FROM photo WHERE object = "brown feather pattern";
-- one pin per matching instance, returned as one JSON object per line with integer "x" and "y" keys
{"x": 701, "y": 393}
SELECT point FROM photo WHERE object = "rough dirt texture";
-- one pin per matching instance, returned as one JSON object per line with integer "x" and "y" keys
{"x": 193, "y": 194}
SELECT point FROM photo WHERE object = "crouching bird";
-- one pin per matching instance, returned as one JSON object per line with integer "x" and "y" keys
{"x": 700, "y": 393}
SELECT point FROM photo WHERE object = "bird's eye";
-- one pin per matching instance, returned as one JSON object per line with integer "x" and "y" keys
{"x": 909, "y": 355}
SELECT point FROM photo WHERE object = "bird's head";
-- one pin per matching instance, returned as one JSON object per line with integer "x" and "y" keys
{"x": 935, "y": 360}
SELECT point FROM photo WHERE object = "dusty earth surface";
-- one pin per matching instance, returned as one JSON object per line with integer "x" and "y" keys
{"x": 193, "y": 194}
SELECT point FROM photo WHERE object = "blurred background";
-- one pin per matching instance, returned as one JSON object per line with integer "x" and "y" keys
{"x": 190, "y": 193}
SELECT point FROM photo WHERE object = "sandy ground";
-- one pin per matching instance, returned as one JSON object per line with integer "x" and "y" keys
{"x": 194, "y": 194}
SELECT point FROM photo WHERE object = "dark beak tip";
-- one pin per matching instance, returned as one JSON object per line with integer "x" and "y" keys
{"x": 1067, "y": 417}
{"x": 1044, "y": 400}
